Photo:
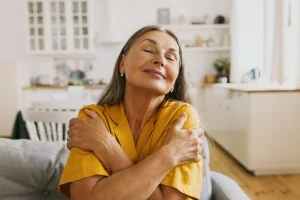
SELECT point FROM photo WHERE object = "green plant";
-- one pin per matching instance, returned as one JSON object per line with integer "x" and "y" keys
{"x": 220, "y": 64}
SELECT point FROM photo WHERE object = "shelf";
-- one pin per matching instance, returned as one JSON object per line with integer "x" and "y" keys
{"x": 190, "y": 49}
{"x": 197, "y": 26}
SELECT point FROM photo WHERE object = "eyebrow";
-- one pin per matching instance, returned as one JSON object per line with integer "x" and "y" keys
{"x": 154, "y": 42}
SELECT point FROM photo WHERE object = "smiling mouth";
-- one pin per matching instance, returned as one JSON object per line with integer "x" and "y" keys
{"x": 154, "y": 72}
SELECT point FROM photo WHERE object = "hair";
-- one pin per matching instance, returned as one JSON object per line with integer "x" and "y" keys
{"x": 114, "y": 92}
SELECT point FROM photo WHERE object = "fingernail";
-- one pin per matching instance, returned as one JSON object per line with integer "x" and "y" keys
{"x": 183, "y": 114}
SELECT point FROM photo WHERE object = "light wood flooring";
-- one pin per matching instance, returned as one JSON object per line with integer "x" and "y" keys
{"x": 285, "y": 187}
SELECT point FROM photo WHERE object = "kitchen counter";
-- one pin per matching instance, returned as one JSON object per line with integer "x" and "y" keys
{"x": 240, "y": 87}
{"x": 199, "y": 85}
{"x": 257, "y": 124}
{"x": 62, "y": 87}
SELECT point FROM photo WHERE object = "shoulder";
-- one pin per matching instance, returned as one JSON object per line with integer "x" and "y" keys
{"x": 177, "y": 105}
{"x": 172, "y": 109}
{"x": 100, "y": 110}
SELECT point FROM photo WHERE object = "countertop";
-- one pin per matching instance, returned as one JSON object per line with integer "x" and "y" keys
{"x": 199, "y": 85}
{"x": 252, "y": 87}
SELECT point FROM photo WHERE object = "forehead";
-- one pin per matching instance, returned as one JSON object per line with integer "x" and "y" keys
{"x": 162, "y": 38}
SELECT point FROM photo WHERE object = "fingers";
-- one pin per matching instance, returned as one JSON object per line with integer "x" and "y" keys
{"x": 199, "y": 132}
{"x": 91, "y": 114}
{"x": 70, "y": 144}
{"x": 180, "y": 121}
{"x": 74, "y": 121}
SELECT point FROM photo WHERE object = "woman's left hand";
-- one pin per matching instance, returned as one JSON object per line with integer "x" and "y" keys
{"x": 87, "y": 134}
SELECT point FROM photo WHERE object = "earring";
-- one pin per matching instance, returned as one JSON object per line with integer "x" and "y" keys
{"x": 171, "y": 90}
{"x": 122, "y": 74}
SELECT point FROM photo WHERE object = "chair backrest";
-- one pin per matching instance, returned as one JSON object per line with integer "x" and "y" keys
{"x": 48, "y": 124}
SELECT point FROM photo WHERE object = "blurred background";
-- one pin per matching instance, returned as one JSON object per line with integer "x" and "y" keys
{"x": 241, "y": 57}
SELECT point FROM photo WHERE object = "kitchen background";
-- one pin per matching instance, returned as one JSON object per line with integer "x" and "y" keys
{"x": 46, "y": 44}
{"x": 114, "y": 22}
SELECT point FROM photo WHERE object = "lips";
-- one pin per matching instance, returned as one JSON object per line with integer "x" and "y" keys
{"x": 155, "y": 72}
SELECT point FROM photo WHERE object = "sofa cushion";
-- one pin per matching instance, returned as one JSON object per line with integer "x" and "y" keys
{"x": 30, "y": 169}
{"x": 206, "y": 192}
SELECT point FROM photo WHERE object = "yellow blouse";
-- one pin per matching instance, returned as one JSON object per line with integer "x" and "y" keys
{"x": 186, "y": 178}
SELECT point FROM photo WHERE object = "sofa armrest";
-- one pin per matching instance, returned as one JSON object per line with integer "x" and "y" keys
{"x": 224, "y": 188}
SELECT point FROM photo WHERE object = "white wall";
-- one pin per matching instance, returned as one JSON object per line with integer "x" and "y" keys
{"x": 127, "y": 16}
{"x": 12, "y": 79}
{"x": 247, "y": 33}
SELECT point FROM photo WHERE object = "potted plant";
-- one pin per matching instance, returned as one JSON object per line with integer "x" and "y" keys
{"x": 221, "y": 65}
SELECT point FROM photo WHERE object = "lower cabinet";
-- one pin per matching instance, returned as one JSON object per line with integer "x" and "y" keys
{"x": 260, "y": 129}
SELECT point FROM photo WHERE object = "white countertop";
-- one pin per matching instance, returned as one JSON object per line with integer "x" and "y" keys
{"x": 252, "y": 87}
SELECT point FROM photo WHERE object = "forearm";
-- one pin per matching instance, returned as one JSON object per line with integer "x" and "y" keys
{"x": 135, "y": 181}
{"x": 118, "y": 160}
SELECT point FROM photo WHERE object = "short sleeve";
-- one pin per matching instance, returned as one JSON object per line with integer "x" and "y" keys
{"x": 186, "y": 178}
{"x": 80, "y": 164}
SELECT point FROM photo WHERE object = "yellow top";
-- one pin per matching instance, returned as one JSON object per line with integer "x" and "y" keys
{"x": 186, "y": 178}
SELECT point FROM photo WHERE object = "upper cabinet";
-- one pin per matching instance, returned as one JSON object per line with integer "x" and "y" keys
{"x": 56, "y": 27}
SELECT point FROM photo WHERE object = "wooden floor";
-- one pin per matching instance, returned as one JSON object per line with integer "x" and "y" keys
{"x": 257, "y": 188}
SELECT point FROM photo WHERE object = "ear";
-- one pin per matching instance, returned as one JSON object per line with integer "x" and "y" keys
{"x": 122, "y": 64}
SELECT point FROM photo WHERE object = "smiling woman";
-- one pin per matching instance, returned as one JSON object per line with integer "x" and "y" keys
{"x": 142, "y": 140}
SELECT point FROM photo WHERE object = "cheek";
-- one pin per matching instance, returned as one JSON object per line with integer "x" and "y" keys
{"x": 172, "y": 73}
{"x": 134, "y": 64}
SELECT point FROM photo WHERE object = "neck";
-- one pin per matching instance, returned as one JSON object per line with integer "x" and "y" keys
{"x": 139, "y": 106}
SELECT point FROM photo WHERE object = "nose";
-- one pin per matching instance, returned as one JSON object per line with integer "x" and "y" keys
{"x": 159, "y": 60}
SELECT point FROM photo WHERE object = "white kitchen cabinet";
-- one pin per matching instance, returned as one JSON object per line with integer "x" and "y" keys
{"x": 56, "y": 27}
{"x": 260, "y": 129}
{"x": 217, "y": 111}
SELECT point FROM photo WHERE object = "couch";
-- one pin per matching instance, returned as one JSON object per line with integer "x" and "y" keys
{"x": 31, "y": 170}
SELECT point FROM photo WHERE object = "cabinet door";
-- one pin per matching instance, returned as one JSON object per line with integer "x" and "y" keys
{"x": 35, "y": 25}
{"x": 80, "y": 19}
{"x": 58, "y": 26}
{"x": 217, "y": 110}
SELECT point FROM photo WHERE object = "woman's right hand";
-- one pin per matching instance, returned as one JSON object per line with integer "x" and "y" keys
{"x": 184, "y": 146}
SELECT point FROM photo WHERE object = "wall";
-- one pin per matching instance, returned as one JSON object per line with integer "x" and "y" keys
{"x": 122, "y": 17}
{"x": 11, "y": 81}
{"x": 247, "y": 29}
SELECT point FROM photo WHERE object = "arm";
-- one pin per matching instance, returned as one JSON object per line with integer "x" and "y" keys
{"x": 121, "y": 161}
{"x": 142, "y": 183}
{"x": 132, "y": 183}
{"x": 130, "y": 173}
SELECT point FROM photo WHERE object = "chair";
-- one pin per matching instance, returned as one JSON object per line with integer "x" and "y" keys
{"x": 48, "y": 123}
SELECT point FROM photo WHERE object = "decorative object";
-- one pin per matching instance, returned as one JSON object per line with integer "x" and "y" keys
{"x": 210, "y": 79}
{"x": 163, "y": 16}
{"x": 219, "y": 19}
{"x": 199, "y": 41}
{"x": 222, "y": 80}
{"x": 220, "y": 64}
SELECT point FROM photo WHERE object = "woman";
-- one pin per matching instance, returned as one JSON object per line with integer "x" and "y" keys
{"x": 147, "y": 144}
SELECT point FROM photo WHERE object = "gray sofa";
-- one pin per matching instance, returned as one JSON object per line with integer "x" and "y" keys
{"x": 30, "y": 170}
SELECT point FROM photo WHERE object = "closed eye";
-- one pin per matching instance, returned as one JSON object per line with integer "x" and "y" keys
{"x": 171, "y": 59}
{"x": 148, "y": 51}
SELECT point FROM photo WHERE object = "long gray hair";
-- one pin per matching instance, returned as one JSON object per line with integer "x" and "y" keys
{"x": 114, "y": 92}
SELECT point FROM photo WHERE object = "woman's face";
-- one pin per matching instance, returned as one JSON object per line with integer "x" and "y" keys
{"x": 152, "y": 62}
